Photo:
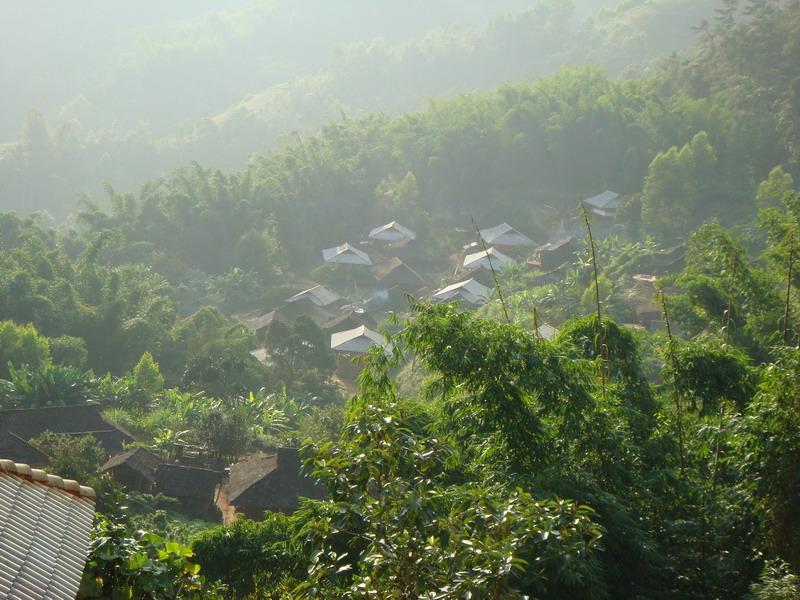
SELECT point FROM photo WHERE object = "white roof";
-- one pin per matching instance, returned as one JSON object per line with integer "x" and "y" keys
{"x": 605, "y": 201}
{"x": 346, "y": 254}
{"x": 45, "y": 525}
{"x": 319, "y": 295}
{"x": 469, "y": 290}
{"x": 480, "y": 260}
{"x": 261, "y": 355}
{"x": 505, "y": 235}
{"x": 391, "y": 232}
{"x": 547, "y": 331}
{"x": 358, "y": 340}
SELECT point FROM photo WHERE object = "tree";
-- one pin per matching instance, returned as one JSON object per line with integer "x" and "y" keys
{"x": 677, "y": 191}
{"x": 21, "y": 345}
{"x": 79, "y": 457}
{"x": 146, "y": 382}
{"x": 395, "y": 525}
{"x": 71, "y": 456}
{"x": 252, "y": 557}
{"x": 769, "y": 455}
{"x": 301, "y": 346}
{"x": 228, "y": 433}
{"x": 69, "y": 351}
{"x": 772, "y": 190}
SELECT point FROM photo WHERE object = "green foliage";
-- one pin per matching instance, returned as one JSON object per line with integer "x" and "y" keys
{"x": 143, "y": 386}
{"x": 251, "y": 557}
{"x": 147, "y": 376}
{"x": 505, "y": 377}
{"x": 772, "y": 190}
{"x": 777, "y": 582}
{"x": 124, "y": 564}
{"x": 679, "y": 192}
{"x": 70, "y": 351}
{"x": 457, "y": 490}
{"x": 71, "y": 457}
{"x": 163, "y": 516}
{"x": 724, "y": 292}
{"x": 299, "y": 346}
{"x": 79, "y": 457}
{"x": 48, "y": 385}
{"x": 21, "y": 345}
{"x": 395, "y": 524}
{"x": 770, "y": 455}
{"x": 709, "y": 373}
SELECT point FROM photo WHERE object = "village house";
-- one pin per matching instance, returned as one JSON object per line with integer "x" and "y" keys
{"x": 261, "y": 355}
{"x": 269, "y": 482}
{"x": 357, "y": 341}
{"x": 288, "y": 313}
{"x": 469, "y": 291}
{"x": 395, "y": 272}
{"x": 318, "y": 295}
{"x": 382, "y": 301}
{"x": 135, "y": 469}
{"x": 392, "y": 232}
{"x": 346, "y": 254}
{"x": 195, "y": 488}
{"x": 604, "y": 205}
{"x": 553, "y": 255}
{"x": 350, "y": 319}
{"x": 19, "y": 426}
{"x": 257, "y": 324}
{"x": 489, "y": 259}
{"x": 504, "y": 236}
{"x": 669, "y": 261}
{"x": 649, "y": 315}
{"x": 547, "y": 331}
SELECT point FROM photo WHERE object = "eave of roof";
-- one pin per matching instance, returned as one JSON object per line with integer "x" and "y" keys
{"x": 9, "y": 467}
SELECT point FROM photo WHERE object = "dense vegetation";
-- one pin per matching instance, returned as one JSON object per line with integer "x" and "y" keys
{"x": 101, "y": 119}
{"x": 477, "y": 459}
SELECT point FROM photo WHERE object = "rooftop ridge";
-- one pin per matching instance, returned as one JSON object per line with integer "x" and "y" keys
{"x": 9, "y": 467}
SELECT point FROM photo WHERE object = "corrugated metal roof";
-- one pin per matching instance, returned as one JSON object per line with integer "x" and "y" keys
{"x": 469, "y": 290}
{"x": 346, "y": 254}
{"x": 358, "y": 340}
{"x": 255, "y": 322}
{"x": 605, "y": 201}
{"x": 45, "y": 527}
{"x": 480, "y": 260}
{"x": 505, "y": 235}
{"x": 547, "y": 331}
{"x": 553, "y": 246}
{"x": 391, "y": 232}
{"x": 319, "y": 295}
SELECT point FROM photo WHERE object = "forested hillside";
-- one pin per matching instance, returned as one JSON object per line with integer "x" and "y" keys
{"x": 154, "y": 99}
{"x": 536, "y": 338}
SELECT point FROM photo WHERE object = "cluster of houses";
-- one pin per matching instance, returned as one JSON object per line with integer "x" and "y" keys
{"x": 273, "y": 480}
{"x": 258, "y": 482}
{"x": 386, "y": 258}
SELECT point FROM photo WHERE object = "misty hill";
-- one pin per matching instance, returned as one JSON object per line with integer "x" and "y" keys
{"x": 216, "y": 86}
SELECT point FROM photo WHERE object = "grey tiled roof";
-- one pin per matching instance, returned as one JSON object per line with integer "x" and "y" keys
{"x": 45, "y": 526}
